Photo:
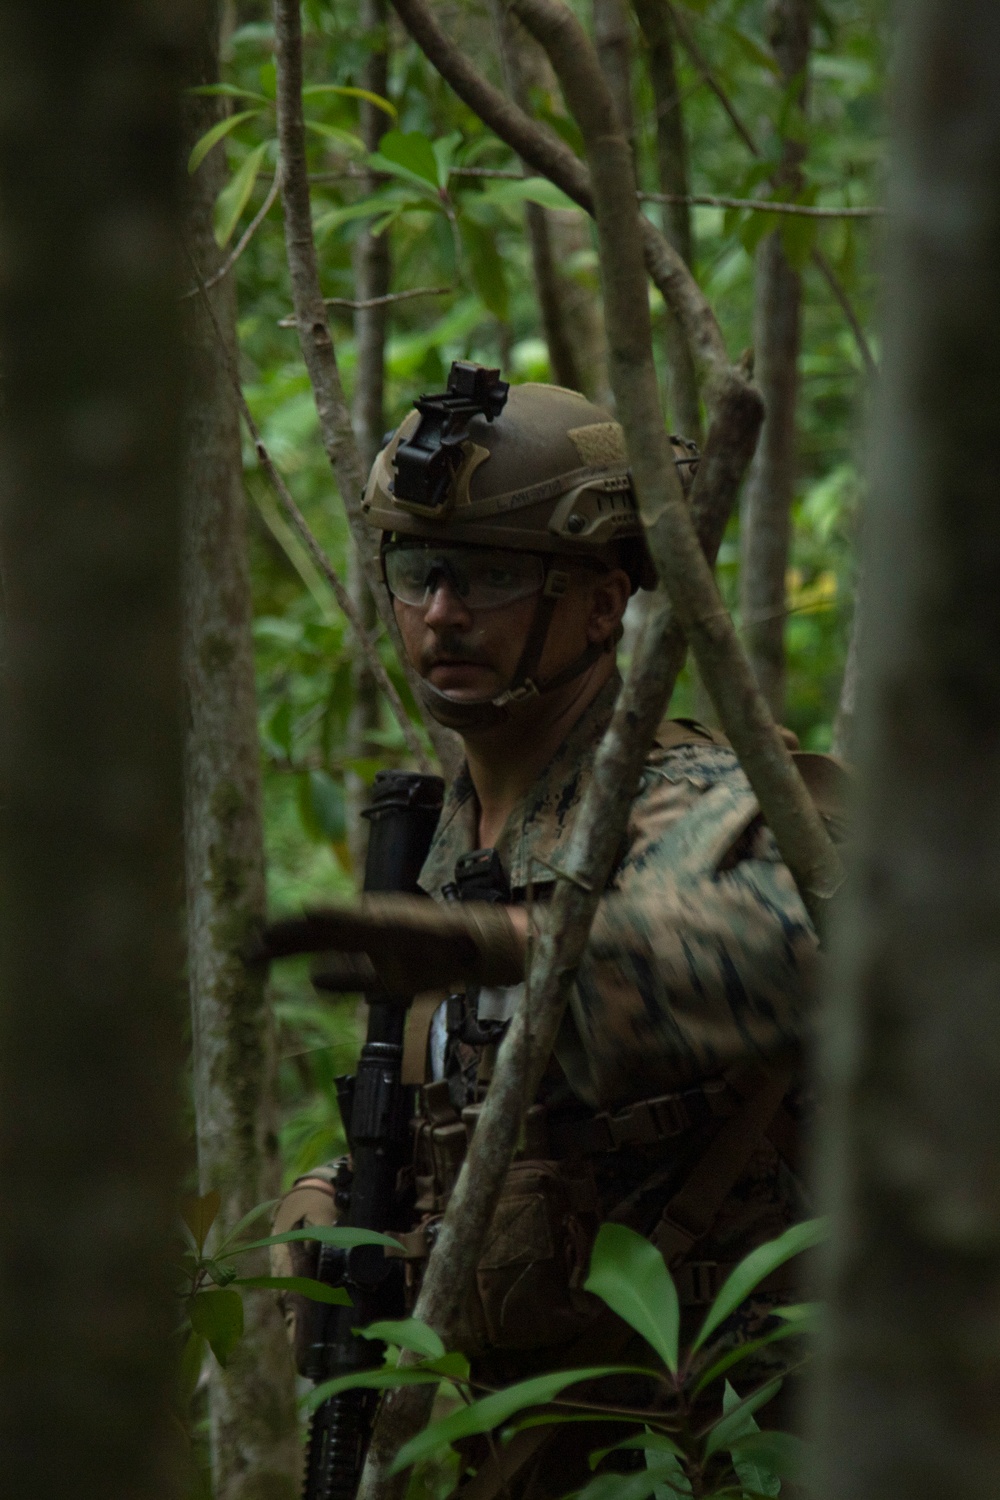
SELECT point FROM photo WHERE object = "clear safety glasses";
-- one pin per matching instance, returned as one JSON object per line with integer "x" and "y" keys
{"x": 482, "y": 577}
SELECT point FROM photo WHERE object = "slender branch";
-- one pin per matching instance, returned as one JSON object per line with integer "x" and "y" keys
{"x": 314, "y": 333}
{"x": 768, "y": 206}
{"x": 543, "y": 151}
{"x": 244, "y": 240}
{"x": 787, "y": 807}
{"x": 819, "y": 259}
{"x": 368, "y": 302}
{"x": 319, "y": 557}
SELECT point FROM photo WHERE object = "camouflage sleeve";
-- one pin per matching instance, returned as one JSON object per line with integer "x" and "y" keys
{"x": 702, "y": 953}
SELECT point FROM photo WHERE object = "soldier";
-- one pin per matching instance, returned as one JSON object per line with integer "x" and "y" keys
{"x": 511, "y": 543}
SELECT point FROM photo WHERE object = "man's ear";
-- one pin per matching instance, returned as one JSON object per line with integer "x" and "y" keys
{"x": 609, "y": 596}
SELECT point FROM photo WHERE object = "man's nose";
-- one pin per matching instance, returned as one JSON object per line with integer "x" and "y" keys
{"x": 444, "y": 606}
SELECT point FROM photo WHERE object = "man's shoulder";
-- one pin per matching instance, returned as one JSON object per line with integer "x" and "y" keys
{"x": 686, "y": 751}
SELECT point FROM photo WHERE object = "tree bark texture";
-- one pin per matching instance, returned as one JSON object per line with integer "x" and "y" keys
{"x": 613, "y": 42}
{"x": 911, "y": 1370}
{"x": 672, "y": 171}
{"x": 372, "y": 278}
{"x": 254, "y": 1428}
{"x": 765, "y": 533}
{"x": 90, "y": 744}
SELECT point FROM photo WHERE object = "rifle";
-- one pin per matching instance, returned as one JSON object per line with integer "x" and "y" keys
{"x": 375, "y": 1108}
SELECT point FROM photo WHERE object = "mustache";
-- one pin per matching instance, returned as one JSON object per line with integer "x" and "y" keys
{"x": 452, "y": 649}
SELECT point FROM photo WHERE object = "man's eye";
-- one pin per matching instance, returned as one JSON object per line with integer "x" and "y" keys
{"x": 500, "y": 577}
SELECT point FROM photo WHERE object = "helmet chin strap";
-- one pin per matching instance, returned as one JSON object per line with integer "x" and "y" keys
{"x": 484, "y": 713}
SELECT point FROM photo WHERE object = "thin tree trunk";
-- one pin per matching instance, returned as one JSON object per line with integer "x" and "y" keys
{"x": 90, "y": 745}
{"x": 767, "y": 509}
{"x": 571, "y": 318}
{"x": 372, "y": 276}
{"x": 672, "y": 170}
{"x": 254, "y": 1429}
{"x": 613, "y": 42}
{"x": 845, "y": 719}
{"x": 911, "y": 1364}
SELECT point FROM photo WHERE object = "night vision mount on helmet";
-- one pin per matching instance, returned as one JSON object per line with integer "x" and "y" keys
{"x": 528, "y": 468}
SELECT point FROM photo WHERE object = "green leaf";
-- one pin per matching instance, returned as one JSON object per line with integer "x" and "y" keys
{"x": 737, "y": 1420}
{"x": 488, "y": 274}
{"x": 751, "y": 49}
{"x": 491, "y": 1411}
{"x": 652, "y": 1442}
{"x": 236, "y": 194}
{"x": 323, "y": 1234}
{"x": 798, "y": 236}
{"x": 385, "y": 105}
{"x": 189, "y": 1371}
{"x": 630, "y": 1486}
{"x": 230, "y": 91}
{"x": 327, "y": 797}
{"x": 340, "y": 137}
{"x": 754, "y": 1267}
{"x": 525, "y": 190}
{"x": 630, "y": 1275}
{"x": 756, "y": 227}
{"x": 218, "y": 1317}
{"x": 382, "y": 1379}
{"x": 246, "y": 1221}
{"x": 444, "y": 153}
{"x": 412, "y": 151}
{"x": 781, "y": 1454}
{"x": 741, "y": 1352}
{"x": 565, "y": 128}
{"x": 394, "y": 199}
{"x": 804, "y": 1316}
{"x": 218, "y": 132}
{"x": 406, "y": 1333}
{"x": 316, "y": 1291}
{"x": 199, "y": 1214}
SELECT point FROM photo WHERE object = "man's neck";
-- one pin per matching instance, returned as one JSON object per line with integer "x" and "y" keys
{"x": 505, "y": 762}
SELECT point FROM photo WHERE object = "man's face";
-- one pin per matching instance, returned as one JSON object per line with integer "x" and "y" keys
{"x": 471, "y": 653}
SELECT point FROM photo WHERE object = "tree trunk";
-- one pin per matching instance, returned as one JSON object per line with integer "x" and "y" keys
{"x": 766, "y": 528}
{"x": 254, "y": 1430}
{"x": 372, "y": 275}
{"x": 672, "y": 170}
{"x": 571, "y": 320}
{"x": 613, "y": 41}
{"x": 90, "y": 749}
{"x": 911, "y": 1368}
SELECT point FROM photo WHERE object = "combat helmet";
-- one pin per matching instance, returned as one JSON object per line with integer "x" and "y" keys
{"x": 529, "y": 468}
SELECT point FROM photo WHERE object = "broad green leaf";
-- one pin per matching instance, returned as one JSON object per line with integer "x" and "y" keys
{"x": 630, "y": 1275}
{"x": 321, "y": 804}
{"x": 565, "y": 127}
{"x": 218, "y": 132}
{"x": 406, "y": 1333}
{"x": 798, "y": 236}
{"x": 316, "y": 1291}
{"x": 382, "y": 1379}
{"x": 199, "y": 1214}
{"x": 488, "y": 274}
{"x": 189, "y": 1371}
{"x": 340, "y": 137}
{"x": 559, "y": 1419}
{"x": 756, "y": 227}
{"x": 412, "y": 151}
{"x": 742, "y": 1352}
{"x": 651, "y": 1442}
{"x": 246, "y": 1221}
{"x": 737, "y": 1420}
{"x": 221, "y": 1274}
{"x": 753, "y": 1269}
{"x": 491, "y": 1411}
{"x": 804, "y": 1316}
{"x": 230, "y": 90}
{"x": 525, "y": 190}
{"x": 218, "y": 1317}
{"x": 444, "y": 154}
{"x": 632, "y": 1486}
{"x": 324, "y": 1234}
{"x": 385, "y": 105}
{"x": 236, "y": 194}
{"x": 394, "y": 200}
{"x": 454, "y": 1365}
{"x": 782, "y": 1454}
{"x": 751, "y": 49}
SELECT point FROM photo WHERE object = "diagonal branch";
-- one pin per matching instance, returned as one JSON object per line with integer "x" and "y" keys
{"x": 797, "y": 827}
{"x": 548, "y": 155}
{"x": 319, "y": 557}
{"x": 314, "y": 333}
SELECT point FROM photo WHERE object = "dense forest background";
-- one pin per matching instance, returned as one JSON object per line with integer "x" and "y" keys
{"x": 450, "y": 217}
